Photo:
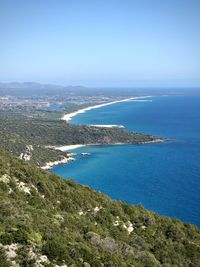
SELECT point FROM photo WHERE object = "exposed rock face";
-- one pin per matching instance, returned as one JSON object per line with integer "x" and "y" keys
{"x": 5, "y": 178}
{"x": 27, "y": 154}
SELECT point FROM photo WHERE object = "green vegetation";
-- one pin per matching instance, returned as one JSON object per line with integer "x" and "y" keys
{"x": 71, "y": 107}
{"x": 46, "y": 220}
{"x": 19, "y": 131}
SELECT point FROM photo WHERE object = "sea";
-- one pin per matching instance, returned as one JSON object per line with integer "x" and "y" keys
{"x": 163, "y": 177}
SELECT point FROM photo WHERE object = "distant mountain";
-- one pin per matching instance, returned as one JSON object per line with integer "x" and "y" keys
{"x": 33, "y": 89}
{"x": 30, "y": 89}
{"x": 18, "y": 85}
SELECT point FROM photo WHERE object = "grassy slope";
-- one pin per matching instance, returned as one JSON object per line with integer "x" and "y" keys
{"x": 59, "y": 219}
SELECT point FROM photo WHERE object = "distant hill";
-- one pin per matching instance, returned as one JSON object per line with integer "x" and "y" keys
{"x": 33, "y": 89}
{"x": 47, "y": 221}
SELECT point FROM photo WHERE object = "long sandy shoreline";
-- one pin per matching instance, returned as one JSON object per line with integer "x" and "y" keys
{"x": 69, "y": 116}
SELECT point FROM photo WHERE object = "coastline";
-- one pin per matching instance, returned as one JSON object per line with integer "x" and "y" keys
{"x": 69, "y": 116}
{"x": 67, "y": 148}
{"x": 71, "y": 147}
{"x": 51, "y": 164}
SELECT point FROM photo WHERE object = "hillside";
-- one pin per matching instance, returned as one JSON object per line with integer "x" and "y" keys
{"x": 47, "y": 221}
{"x": 29, "y": 136}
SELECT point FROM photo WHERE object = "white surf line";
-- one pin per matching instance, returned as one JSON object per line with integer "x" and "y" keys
{"x": 69, "y": 116}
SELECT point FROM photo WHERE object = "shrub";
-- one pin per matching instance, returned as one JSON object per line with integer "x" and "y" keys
{"x": 3, "y": 259}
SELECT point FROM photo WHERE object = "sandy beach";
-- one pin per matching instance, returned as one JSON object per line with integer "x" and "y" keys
{"x": 68, "y": 147}
{"x": 71, "y": 147}
{"x": 69, "y": 116}
{"x": 107, "y": 125}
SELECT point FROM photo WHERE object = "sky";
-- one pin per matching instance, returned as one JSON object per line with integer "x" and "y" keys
{"x": 106, "y": 43}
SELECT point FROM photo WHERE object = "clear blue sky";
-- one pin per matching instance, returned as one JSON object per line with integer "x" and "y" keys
{"x": 101, "y": 42}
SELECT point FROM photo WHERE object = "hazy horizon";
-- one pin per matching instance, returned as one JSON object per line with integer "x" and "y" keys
{"x": 101, "y": 43}
{"x": 99, "y": 87}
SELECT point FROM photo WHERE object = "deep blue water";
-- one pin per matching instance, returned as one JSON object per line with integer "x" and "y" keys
{"x": 162, "y": 177}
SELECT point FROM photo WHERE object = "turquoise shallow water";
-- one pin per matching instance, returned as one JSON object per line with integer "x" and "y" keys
{"x": 162, "y": 177}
